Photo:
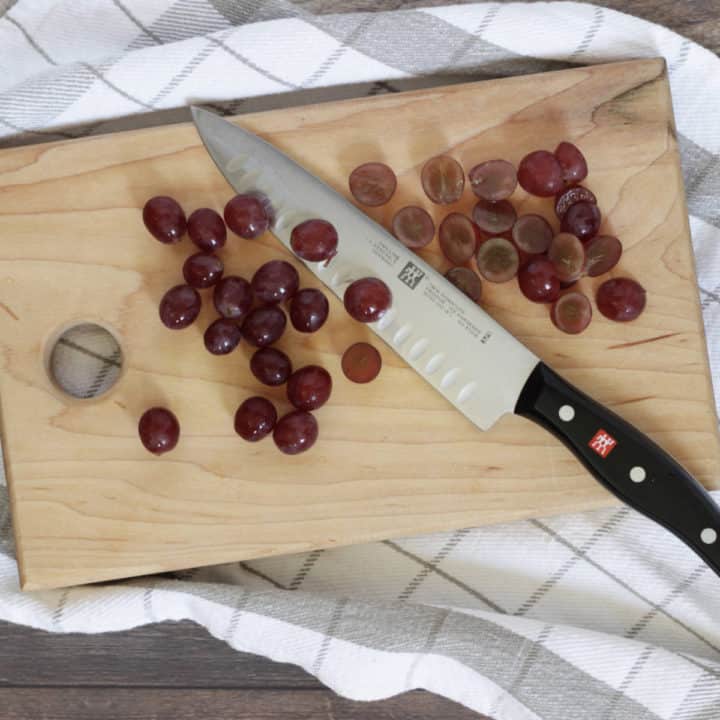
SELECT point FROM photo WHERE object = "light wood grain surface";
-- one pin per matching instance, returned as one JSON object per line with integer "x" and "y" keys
{"x": 393, "y": 457}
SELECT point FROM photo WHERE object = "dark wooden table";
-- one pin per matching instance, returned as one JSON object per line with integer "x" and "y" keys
{"x": 176, "y": 670}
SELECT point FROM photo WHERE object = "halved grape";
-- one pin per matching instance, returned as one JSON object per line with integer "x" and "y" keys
{"x": 308, "y": 310}
{"x": 165, "y": 219}
{"x": 539, "y": 173}
{"x": 314, "y": 240}
{"x": 569, "y": 197}
{"x": 233, "y": 297}
{"x": 275, "y": 281}
{"x": 179, "y": 307}
{"x": 367, "y": 299}
{"x": 264, "y": 325}
{"x": 493, "y": 180}
{"x": 621, "y": 299}
{"x": 494, "y": 218}
{"x": 538, "y": 281}
{"x": 249, "y": 215}
{"x": 413, "y": 226}
{"x": 458, "y": 237}
{"x": 602, "y": 254}
{"x": 582, "y": 219}
{"x": 270, "y": 366}
{"x": 202, "y": 270}
{"x": 159, "y": 430}
{"x": 465, "y": 280}
{"x": 372, "y": 184}
{"x": 222, "y": 336}
{"x": 532, "y": 234}
{"x": 361, "y": 363}
{"x": 497, "y": 260}
{"x": 255, "y": 419}
{"x": 207, "y": 229}
{"x": 572, "y": 161}
{"x": 309, "y": 387}
{"x": 572, "y": 312}
{"x": 567, "y": 254}
{"x": 443, "y": 179}
{"x": 296, "y": 432}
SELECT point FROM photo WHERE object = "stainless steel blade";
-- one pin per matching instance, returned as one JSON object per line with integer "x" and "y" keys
{"x": 448, "y": 339}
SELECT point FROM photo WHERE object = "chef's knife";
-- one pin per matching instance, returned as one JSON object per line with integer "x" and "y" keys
{"x": 459, "y": 349}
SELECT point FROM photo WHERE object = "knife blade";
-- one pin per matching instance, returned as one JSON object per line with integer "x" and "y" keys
{"x": 450, "y": 341}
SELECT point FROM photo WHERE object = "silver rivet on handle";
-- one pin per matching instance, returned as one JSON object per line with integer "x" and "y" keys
{"x": 708, "y": 536}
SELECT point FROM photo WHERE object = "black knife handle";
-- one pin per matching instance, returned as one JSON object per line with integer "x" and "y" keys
{"x": 625, "y": 461}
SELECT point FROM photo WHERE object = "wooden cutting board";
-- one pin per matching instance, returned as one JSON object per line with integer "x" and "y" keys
{"x": 393, "y": 458}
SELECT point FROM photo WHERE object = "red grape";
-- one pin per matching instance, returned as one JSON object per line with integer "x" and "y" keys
{"x": 270, "y": 366}
{"x": 465, "y": 280}
{"x": 539, "y": 173}
{"x": 620, "y": 299}
{"x": 494, "y": 218}
{"x": 372, "y": 184}
{"x": 255, "y": 419}
{"x": 207, "y": 229}
{"x": 569, "y": 197}
{"x": 308, "y": 310}
{"x": 314, "y": 240}
{"x": 493, "y": 180}
{"x": 443, "y": 179}
{"x": 233, "y": 297}
{"x": 567, "y": 254}
{"x": 264, "y": 325}
{"x": 572, "y": 161}
{"x": 572, "y": 312}
{"x": 582, "y": 219}
{"x": 159, "y": 430}
{"x": 603, "y": 253}
{"x": 222, "y": 336}
{"x": 538, "y": 281}
{"x": 458, "y": 237}
{"x": 413, "y": 226}
{"x": 179, "y": 307}
{"x": 532, "y": 234}
{"x": 309, "y": 387}
{"x": 295, "y": 432}
{"x": 202, "y": 270}
{"x": 361, "y": 363}
{"x": 497, "y": 260}
{"x": 275, "y": 281}
{"x": 367, "y": 299}
{"x": 249, "y": 215}
{"x": 165, "y": 219}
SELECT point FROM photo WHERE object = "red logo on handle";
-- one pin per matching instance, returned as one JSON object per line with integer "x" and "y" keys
{"x": 602, "y": 443}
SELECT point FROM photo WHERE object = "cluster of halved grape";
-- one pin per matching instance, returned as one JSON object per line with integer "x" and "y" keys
{"x": 250, "y": 311}
{"x": 505, "y": 245}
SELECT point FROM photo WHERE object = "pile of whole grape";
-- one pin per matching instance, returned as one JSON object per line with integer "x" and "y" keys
{"x": 505, "y": 245}
{"x": 251, "y": 311}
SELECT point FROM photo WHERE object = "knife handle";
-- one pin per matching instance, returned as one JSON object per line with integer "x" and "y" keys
{"x": 625, "y": 461}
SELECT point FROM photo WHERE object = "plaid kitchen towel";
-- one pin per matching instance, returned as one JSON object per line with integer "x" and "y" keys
{"x": 601, "y": 615}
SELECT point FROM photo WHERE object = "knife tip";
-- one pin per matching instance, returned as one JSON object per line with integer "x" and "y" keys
{"x": 196, "y": 111}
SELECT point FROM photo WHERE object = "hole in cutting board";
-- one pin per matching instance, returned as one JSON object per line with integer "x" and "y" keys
{"x": 85, "y": 360}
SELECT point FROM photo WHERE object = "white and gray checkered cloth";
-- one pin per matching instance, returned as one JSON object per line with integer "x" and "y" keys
{"x": 600, "y": 615}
